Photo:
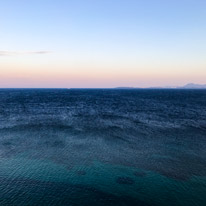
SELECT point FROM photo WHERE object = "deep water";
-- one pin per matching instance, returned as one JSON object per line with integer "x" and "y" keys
{"x": 102, "y": 147}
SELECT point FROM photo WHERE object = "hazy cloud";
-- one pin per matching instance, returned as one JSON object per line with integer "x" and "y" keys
{"x": 13, "y": 53}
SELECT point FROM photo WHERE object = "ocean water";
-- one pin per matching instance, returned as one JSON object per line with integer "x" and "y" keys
{"x": 102, "y": 147}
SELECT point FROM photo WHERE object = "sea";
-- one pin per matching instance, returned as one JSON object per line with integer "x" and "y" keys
{"x": 102, "y": 147}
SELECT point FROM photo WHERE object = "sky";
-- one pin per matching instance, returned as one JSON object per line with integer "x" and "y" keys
{"x": 102, "y": 43}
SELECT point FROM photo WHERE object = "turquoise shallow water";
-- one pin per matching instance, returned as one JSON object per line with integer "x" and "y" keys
{"x": 102, "y": 147}
{"x": 31, "y": 182}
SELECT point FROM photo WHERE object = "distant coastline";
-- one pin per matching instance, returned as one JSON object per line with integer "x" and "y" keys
{"x": 187, "y": 86}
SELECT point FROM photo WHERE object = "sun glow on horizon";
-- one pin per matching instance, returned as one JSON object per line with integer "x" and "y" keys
{"x": 102, "y": 44}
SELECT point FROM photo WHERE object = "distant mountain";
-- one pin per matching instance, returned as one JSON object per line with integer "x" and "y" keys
{"x": 187, "y": 86}
{"x": 194, "y": 86}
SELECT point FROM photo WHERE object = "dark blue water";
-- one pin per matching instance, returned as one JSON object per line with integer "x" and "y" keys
{"x": 102, "y": 147}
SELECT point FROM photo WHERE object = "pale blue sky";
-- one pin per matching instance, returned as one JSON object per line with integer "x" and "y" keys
{"x": 102, "y": 43}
